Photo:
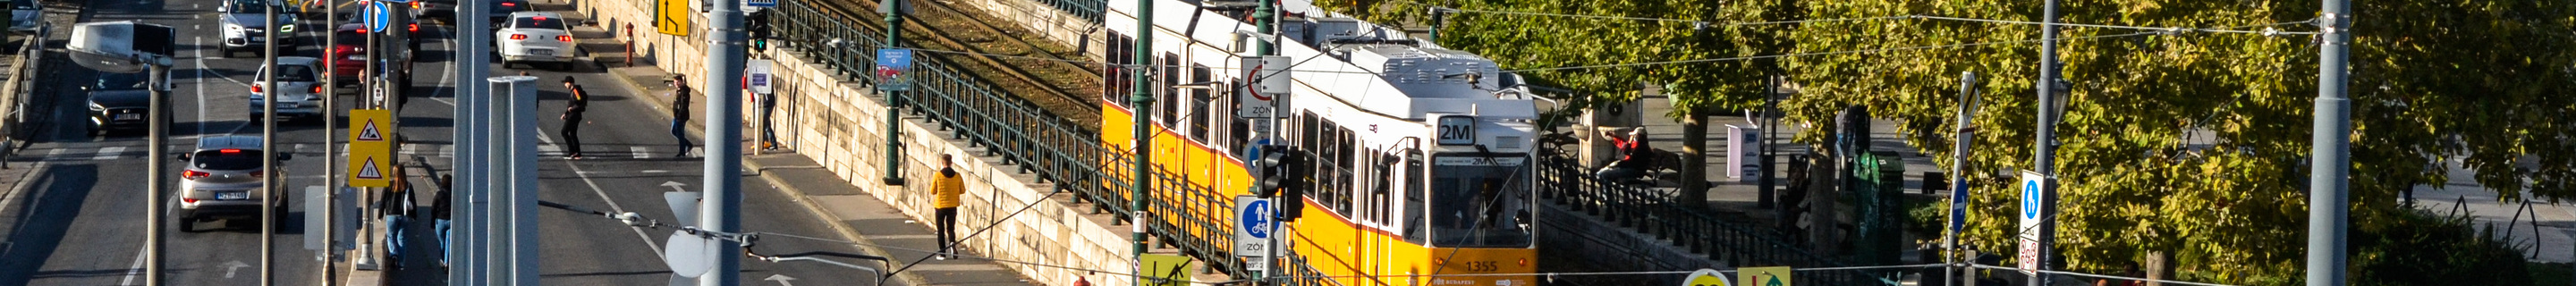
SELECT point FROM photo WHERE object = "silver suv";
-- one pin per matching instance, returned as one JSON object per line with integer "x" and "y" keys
{"x": 245, "y": 28}
{"x": 222, "y": 181}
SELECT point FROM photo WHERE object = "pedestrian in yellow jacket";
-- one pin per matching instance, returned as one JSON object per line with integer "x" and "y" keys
{"x": 944, "y": 192}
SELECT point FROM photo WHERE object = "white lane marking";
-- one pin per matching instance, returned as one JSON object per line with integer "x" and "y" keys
{"x": 638, "y": 150}
{"x": 550, "y": 149}
{"x": 201, "y": 86}
{"x": 412, "y": 149}
{"x": 448, "y": 150}
{"x": 447, "y": 78}
{"x": 656, "y": 171}
{"x": 612, "y": 206}
{"x": 57, "y": 154}
{"x": 109, "y": 153}
{"x": 135, "y": 269}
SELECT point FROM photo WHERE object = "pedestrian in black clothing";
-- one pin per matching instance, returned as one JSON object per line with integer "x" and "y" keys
{"x": 438, "y": 213}
{"x": 680, "y": 113}
{"x": 572, "y": 118}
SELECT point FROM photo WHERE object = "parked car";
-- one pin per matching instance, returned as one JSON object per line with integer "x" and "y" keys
{"x": 24, "y": 15}
{"x": 222, "y": 181}
{"x": 245, "y": 26}
{"x": 117, "y": 102}
{"x": 534, "y": 37}
{"x": 298, "y": 89}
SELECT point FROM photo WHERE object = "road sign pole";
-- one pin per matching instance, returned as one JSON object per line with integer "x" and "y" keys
{"x": 894, "y": 93}
{"x": 2047, "y": 149}
{"x": 1959, "y": 175}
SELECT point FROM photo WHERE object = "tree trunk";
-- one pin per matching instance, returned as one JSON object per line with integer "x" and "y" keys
{"x": 1823, "y": 225}
{"x": 2159, "y": 266}
{"x": 1694, "y": 191}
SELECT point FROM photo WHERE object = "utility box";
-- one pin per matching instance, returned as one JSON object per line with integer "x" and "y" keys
{"x": 1744, "y": 152}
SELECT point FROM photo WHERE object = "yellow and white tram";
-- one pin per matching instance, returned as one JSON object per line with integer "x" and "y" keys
{"x": 1423, "y": 156}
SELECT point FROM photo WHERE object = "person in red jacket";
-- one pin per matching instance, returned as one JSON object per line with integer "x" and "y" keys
{"x": 1632, "y": 156}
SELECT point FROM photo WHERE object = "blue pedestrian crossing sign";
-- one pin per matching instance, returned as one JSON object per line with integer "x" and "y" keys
{"x": 1252, "y": 225}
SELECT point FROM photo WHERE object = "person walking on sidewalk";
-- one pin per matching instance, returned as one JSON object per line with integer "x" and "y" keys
{"x": 394, "y": 204}
{"x": 680, "y": 113}
{"x": 438, "y": 213}
{"x": 768, "y": 129}
{"x": 944, "y": 192}
{"x": 572, "y": 120}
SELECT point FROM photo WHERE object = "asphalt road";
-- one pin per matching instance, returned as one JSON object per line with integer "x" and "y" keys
{"x": 84, "y": 223}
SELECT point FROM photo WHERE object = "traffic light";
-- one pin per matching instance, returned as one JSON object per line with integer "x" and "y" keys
{"x": 1270, "y": 170}
{"x": 759, "y": 28}
{"x": 1297, "y": 167}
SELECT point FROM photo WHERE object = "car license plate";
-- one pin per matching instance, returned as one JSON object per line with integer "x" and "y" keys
{"x": 232, "y": 195}
{"x": 542, "y": 52}
{"x": 129, "y": 116}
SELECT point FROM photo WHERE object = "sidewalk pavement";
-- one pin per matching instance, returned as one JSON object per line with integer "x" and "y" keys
{"x": 872, "y": 224}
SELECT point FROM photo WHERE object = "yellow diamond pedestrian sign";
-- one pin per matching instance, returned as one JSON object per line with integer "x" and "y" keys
{"x": 1762, "y": 276}
{"x": 370, "y": 154}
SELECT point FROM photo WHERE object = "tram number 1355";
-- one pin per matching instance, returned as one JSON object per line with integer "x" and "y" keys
{"x": 1483, "y": 266}
{"x": 1457, "y": 130}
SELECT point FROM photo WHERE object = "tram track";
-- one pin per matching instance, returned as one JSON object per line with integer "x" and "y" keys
{"x": 1043, "y": 76}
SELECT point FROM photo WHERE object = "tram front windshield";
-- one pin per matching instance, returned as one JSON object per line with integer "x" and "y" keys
{"x": 1480, "y": 200}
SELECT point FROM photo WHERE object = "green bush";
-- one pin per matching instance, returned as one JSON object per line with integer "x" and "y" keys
{"x": 2416, "y": 247}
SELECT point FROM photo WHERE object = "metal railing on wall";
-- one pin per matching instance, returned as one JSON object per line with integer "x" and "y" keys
{"x": 1659, "y": 214}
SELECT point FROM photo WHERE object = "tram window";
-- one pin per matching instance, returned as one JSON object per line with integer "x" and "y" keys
{"x": 1118, "y": 73}
{"x": 1241, "y": 136}
{"x": 1384, "y": 181}
{"x": 1199, "y": 100}
{"x": 1479, "y": 200}
{"x": 1414, "y": 216}
{"x": 1171, "y": 108}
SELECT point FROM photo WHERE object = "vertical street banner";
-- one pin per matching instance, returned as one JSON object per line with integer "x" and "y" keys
{"x": 893, "y": 69}
{"x": 371, "y": 148}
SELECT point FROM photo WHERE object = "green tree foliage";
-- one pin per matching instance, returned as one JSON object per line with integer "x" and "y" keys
{"x": 2432, "y": 80}
{"x": 2193, "y": 143}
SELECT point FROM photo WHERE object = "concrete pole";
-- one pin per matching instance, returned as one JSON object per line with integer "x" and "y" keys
{"x": 156, "y": 205}
{"x": 473, "y": 48}
{"x": 331, "y": 147}
{"x": 269, "y": 188}
{"x": 500, "y": 149}
{"x": 460, "y": 255}
{"x": 1141, "y": 104}
{"x": 522, "y": 102}
{"x": 721, "y": 211}
{"x": 1959, "y": 176}
{"x": 2329, "y": 203}
{"x": 894, "y": 99}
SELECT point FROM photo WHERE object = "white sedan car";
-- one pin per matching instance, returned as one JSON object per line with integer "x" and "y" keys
{"x": 534, "y": 37}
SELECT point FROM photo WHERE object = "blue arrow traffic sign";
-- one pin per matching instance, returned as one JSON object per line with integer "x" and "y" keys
{"x": 378, "y": 16}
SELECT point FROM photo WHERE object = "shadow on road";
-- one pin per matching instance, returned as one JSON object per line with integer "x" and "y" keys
{"x": 43, "y": 218}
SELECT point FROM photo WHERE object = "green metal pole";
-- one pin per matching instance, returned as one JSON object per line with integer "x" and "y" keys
{"x": 1143, "y": 100}
{"x": 894, "y": 99}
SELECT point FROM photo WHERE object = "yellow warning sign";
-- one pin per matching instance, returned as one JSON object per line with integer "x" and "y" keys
{"x": 672, "y": 16}
{"x": 370, "y": 154}
{"x": 1166, "y": 270}
{"x": 1705, "y": 277}
{"x": 370, "y": 125}
{"x": 1762, "y": 276}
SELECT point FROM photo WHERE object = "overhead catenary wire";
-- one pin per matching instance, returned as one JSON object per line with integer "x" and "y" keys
{"x": 2081, "y": 274}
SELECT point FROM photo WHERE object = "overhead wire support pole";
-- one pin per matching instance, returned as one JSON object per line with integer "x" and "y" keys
{"x": 1140, "y": 101}
{"x": 500, "y": 148}
{"x": 2329, "y": 201}
{"x": 721, "y": 211}
{"x": 894, "y": 96}
{"x": 2045, "y": 162}
{"x": 330, "y": 141}
{"x": 158, "y": 181}
{"x": 268, "y": 148}
{"x": 476, "y": 244}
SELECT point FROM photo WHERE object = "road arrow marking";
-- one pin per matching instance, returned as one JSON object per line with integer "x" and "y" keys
{"x": 233, "y": 267}
{"x": 782, "y": 279}
{"x": 675, "y": 186}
